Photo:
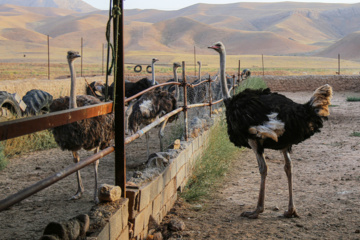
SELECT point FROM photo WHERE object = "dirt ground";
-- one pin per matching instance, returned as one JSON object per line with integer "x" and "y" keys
{"x": 326, "y": 188}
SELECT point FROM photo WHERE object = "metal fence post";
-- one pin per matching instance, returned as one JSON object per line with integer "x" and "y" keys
{"x": 120, "y": 155}
{"x": 239, "y": 74}
{"x": 185, "y": 101}
{"x": 262, "y": 57}
{"x": 233, "y": 84}
{"x": 210, "y": 97}
{"x": 82, "y": 57}
{"x": 48, "y": 43}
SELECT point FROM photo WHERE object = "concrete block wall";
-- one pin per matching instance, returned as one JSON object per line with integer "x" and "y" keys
{"x": 157, "y": 197}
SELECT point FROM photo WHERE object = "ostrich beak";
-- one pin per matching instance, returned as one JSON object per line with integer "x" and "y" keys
{"x": 213, "y": 47}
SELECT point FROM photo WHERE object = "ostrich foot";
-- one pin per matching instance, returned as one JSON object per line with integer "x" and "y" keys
{"x": 76, "y": 196}
{"x": 291, "y": 213}
{"x": 251, "y": 215}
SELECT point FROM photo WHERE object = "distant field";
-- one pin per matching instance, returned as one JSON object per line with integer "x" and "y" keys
{"x": 273, "y": 65}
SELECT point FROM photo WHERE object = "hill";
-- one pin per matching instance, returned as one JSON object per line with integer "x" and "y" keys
{"x": 348, "y": 48}
{"x": 286, "y": 28}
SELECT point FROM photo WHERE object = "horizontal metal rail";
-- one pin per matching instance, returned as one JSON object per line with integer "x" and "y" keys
{"x": 195, "y": 85}
{"x": 149, "y": 89}
{"x": 144, "y": 130}
{"x": 21, "y": 195}
{"x": 23, "y": 126}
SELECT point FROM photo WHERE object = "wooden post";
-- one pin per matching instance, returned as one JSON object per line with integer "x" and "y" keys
{"x": 239, "y": 73}
{"x": 48, "y": 43}
{"x": 262, "y": 56}
{"x": 82, "y": 57}
{"x": 120, "y": 155}
{"x": 185, "y": 101}
{"x": 210, "y": 97}
{"x": 102, "y": 63}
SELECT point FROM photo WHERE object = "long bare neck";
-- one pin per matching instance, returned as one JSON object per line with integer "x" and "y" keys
{"x": 224, "y": 87}
{"x": 73, "y": 85}
{"x": 199, "y": 71}
{"x": 153, "y": 72}
{"x": 176, "y": 79}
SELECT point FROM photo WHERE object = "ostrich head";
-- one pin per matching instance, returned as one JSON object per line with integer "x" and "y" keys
{"x": 72, "y": 55}
{"x": 154, "y": 60}
{"x": 219, "y": 47}
{"x": 176, "y": 65}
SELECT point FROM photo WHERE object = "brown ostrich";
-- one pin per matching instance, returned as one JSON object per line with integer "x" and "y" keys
{"x": 89, "y": 134}
{"x": 260, "y": 119}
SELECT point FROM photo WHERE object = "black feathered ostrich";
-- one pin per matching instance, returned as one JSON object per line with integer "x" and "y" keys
{"x": 149, "y": 107}
{"x": 89, "y": 134}
{"x": 260, "y": 119}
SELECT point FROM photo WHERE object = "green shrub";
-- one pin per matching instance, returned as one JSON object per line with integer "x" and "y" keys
{"x": 355, "y": 134}
{"x": 32, "y": 142}
{"x": 213, "y": 165}
{"x": 3, "y": 159}
{"x": 353, "y": 99}
{"x": 252, "y": 83}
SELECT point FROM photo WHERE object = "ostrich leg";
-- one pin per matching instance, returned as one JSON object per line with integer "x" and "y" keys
{"x": 161, "y": 134}
{"x": 80, "y": 184}
{"x": 96, "y": 165}
{"x": 147, "y": 145}
{"x": 288, "y": 166}
{"x": 128, "y": 112}
{"x": 263, "y": 171}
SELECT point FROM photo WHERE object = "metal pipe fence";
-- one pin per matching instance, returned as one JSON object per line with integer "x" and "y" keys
{"x": 25, "y": 126}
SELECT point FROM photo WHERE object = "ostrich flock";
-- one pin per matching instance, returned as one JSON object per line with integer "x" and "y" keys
{"x": 256, "y": 119}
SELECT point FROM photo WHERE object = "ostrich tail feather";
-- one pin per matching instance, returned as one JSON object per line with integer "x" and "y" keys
{"x": 320, "y": 100}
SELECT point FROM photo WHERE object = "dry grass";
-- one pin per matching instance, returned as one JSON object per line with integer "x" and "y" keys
{"x": 273, "y": 65}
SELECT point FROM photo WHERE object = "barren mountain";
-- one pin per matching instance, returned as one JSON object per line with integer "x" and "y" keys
{"x": 75, "y": 5}
{"x": 348, "y": 48}
{"x": 246, "y": 28}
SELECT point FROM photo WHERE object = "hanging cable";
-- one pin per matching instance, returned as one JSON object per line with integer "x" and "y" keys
{"x": 114, "y": 12}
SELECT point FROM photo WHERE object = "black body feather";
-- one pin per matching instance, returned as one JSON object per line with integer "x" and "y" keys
{"x": 251, "y": 107}
{"x": 159, "y": 103}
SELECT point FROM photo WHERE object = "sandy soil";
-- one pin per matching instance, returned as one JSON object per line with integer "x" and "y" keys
{"x": 326, "y": 188}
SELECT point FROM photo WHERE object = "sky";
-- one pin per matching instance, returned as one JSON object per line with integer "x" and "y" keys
{"x": 176, "y": 4}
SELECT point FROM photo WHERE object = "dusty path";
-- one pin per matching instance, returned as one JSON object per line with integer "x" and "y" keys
{"x": 326, "y": 188}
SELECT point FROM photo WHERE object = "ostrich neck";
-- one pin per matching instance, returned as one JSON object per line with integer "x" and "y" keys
{"x": 73, "y": 85}
{"x": 153, "y": 72}
{"x": 176, "y": 79}
{"x": 224, "y": 87}
{"x": 200, "y": 72}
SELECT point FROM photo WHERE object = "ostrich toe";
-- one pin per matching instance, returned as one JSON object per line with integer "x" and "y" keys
{"x": 251, "y": 215}
{"x": 291, "y": 213}
{"x": 76, "y": 196}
